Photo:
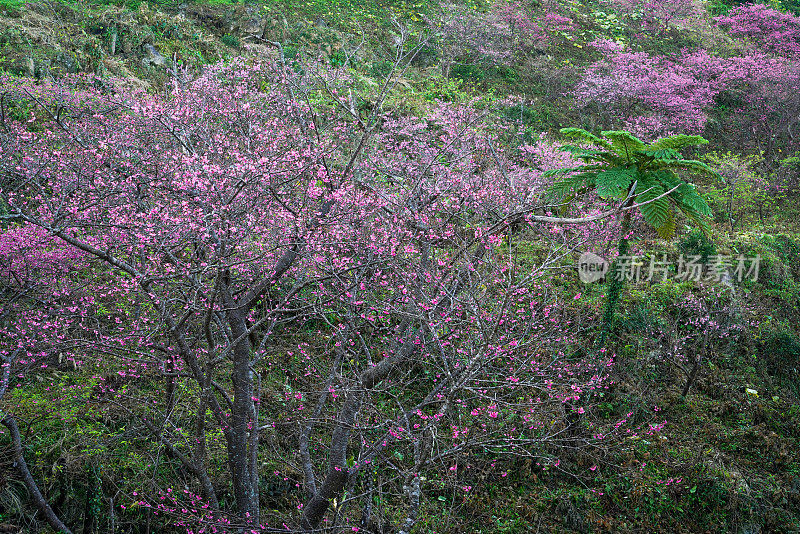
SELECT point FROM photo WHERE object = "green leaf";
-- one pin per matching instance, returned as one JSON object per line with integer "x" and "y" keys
{"x": 664, "y": 155}
{"x": 667, "y": 230}
{"x": 694, "y": 216}
{"x": 654, "y": 209}
{"x": 666, "y": 177}
{"x": 570, "y": 183}
{"x": 688, "y": 196}
{"x": 614, "y": 183}
{"x": 566, "y": 170}
{"x": 693, "y": 165}
{"x": 585, "y": 154}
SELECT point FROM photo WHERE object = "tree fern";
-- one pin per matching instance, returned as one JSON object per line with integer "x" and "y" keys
{"x": 619, "y": 165}
{"x": 617, "y": 159}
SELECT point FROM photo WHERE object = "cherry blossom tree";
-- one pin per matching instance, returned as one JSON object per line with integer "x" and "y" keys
{"x": 653, "y": 95}
{"x": 29, "y": 260}
{"x": 771, "y": 30}
{"x": 509, "y": 32}
{"x": 252, "y": 226}
{"x": 649, "y": 95}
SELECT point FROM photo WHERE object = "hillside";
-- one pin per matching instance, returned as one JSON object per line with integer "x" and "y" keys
{"x": 313, "y": 266}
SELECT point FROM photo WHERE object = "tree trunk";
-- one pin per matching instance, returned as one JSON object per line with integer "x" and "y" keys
{"x": 692, "y": 376}
{"x": 30, "y": 483}
{"x": 244, "y": 438}
{"x": 334, "y": 483}
{"x": 615, "y": 285}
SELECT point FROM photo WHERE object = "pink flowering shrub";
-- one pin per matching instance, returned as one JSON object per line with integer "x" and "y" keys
{"x": 656, "y": 95}
{"x": 695, "y": 330}
{"x": 649, "y": 96}
{"x": 771, "y": 30}
{"x": 506, "y": 33}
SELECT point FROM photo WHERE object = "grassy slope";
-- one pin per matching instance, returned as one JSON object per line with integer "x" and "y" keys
{"x": 735, "y": 453}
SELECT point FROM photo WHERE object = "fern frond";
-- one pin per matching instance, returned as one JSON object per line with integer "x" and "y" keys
{"x": 697, "y": 218}
{"x": 624, "y": 143}
{"x": 654, "y": 209}
{"x": 588, "y": 137}
{"x": 667, "y": 230}
{"x": 694, "y": 165}
{"x": 662, "y": 155}
{"x": 668, "y": 180}
{"x": 677, "y": 141}
{"x": 562, "y": 172}
{"x": 614, "y": 183}
{"x": 689, "y": 198}
{"x": 584, "y": 153}
{"x": 571, "y": 182}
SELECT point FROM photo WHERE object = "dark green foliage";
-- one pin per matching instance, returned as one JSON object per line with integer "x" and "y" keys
{"x": 338, "y": 59}
{"x": 614, "y": 182}
{"x": 168, "y": 30}
{"x": 381, "y": 69}
{"x": 721, "y": 7}
{"x": 11, "y": 8}
{"x": 697, "y": 243}
{"x": 290, "y": 51}
{"x": 231, "y": 40}
{"x": 534, "y": 118}
{"x": 780, "y": 351}
{"x": 485, "y": 74}
{"x": 426, "y": 56}
{"x": 471, "y": 73}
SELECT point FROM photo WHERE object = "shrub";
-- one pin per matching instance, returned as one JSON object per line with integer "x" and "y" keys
{"x": 741, "y": 191}
{"x": 767, "y": 27}
{"x": 381, "y": 69}
{"x": 231, "y": 40}
{"x": 696, "y": 243}
{"x": 780, "y": 351}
